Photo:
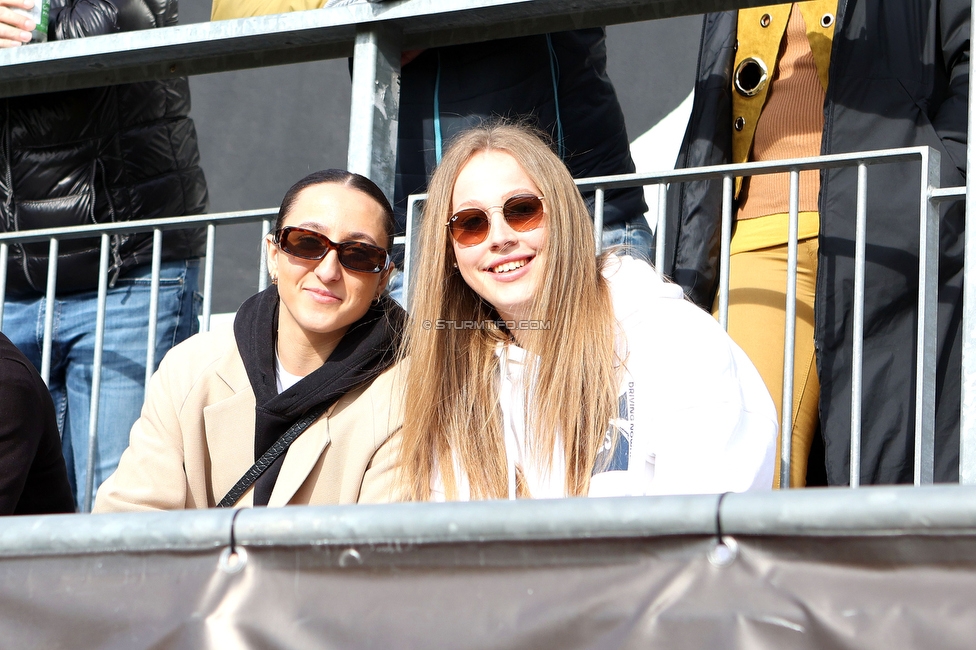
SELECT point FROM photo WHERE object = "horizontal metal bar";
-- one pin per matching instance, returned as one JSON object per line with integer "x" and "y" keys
{"x": 185, "y": 530}
{"x": 871, "y": 511}
{"x": 310, "y": 35}
{"x": 486, "y": 521}
{"x": 609, "y": 182}
{"x": 947, "y": 193}
{"x": 147, "y": 225}
{"x": 877, "y": 157}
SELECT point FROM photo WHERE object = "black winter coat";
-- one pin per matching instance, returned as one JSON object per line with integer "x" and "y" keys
{"x": 99, "y": 155}
{"x": 33, "y": 476}
{"x": 519, "y": 78}
{"x": 899, "y": 77}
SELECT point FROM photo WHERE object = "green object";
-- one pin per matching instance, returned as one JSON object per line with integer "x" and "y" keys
{"x": 39, "y": 13}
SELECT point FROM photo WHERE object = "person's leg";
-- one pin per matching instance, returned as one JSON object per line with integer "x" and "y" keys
{"x": 395, "y": 287}
{"x": 757, "y": 323}
{"x": 632, "y": 239}
{"x": 23, "y": 324}
{"x": 122, "y": 389}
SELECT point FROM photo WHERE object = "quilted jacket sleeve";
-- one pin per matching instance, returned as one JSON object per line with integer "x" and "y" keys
{"x": 81, "y": 18}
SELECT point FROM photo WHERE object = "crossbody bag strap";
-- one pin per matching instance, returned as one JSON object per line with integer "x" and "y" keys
{"x": 270, "y": 456}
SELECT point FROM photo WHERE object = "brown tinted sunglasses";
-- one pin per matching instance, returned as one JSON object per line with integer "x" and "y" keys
{"x": 522, "y": 212}
{"x": 310, "y": 245}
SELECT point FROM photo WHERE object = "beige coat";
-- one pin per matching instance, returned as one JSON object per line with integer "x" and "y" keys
{"x": 195, "y": 439}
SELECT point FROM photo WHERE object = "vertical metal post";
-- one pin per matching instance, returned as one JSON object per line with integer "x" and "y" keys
{"x": 97, "y": 372}
{"x": 789, "y": 339}
{"x": 857, "y": 361}
{"x": 928, "y": 315}
{"x": 411, "y": 248}
{"x": 967, "y": 422}
{"x": 4, "y": 251}
{"x": 659, "y": 231}
{"x": 157, "y": 256}
{"x": 263, "y": 261}
{"x": 52, "y": 282}
{"x": 375, "y": 106}
{"x": 208, "y": 266}
{"x": 728, "y": 185}
{"x": 598, "y": 219}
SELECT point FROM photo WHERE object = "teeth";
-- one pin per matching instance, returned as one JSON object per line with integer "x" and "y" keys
{"x": 509, "y": 266}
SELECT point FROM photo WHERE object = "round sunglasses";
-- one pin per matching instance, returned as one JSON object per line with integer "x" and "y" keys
{"x": 311, "y": 245}
{"x": 522, "y": 212}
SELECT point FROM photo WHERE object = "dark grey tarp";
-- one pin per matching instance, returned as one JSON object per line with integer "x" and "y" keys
{"x": 875, "y": 567}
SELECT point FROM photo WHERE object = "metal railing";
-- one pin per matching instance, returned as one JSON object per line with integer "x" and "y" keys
{"x": 375, "y": 33}
{"x": 930, "y": 196}
{"x": 54, "y": 237}
{"x": 752, "y": 570}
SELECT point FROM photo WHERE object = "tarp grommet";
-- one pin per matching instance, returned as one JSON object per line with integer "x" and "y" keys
{"x": 724, "y": 553}
{"x": 232, "y": 560}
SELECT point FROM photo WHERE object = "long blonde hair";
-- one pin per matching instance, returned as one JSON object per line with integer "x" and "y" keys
{"x": 453, "y": 418}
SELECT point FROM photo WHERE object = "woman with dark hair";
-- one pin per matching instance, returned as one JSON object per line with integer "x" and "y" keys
{"x": 296, "y": 405}
{"x": 533, "y": 370}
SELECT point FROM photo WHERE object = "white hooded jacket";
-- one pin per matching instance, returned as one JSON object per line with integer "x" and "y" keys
{"x": 694, "y": 415}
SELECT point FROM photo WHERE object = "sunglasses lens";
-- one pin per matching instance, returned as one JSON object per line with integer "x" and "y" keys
{"x": 523, "y": 213}
{"x": 470, "y": 227}
{"x": 357, "y": 256}
{"x": 310, "y": 245}
{"x": 303, "y": 243}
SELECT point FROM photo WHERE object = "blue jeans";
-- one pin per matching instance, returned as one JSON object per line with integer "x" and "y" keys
{"x": 123, "y": 358}
{"x": 629, "y": 240}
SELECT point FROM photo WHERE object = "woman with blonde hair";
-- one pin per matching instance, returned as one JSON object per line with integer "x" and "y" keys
{"x": 533, "y": 372}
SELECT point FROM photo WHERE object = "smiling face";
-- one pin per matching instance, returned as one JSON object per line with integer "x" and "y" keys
{"x": 506, "y": 268}
{"x": 320, "y": 299}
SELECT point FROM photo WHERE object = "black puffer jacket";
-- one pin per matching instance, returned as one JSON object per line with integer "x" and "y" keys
{"x": 518, "y": 78}
{"x": 899, "y": 77}
{"x": 118, "y": 153}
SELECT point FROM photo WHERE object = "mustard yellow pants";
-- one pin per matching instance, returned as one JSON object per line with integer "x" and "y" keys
{"x": 757, "y": 322}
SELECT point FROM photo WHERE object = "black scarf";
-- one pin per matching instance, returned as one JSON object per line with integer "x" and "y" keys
{"x": 367, "y": 349}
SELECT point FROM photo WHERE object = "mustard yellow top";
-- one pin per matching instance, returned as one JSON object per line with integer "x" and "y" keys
{"x": 227, "y": 9}
{"x": 760, "y": 37}
{"x": 762, "y": 44}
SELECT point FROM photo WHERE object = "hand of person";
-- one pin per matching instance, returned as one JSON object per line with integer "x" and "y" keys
{"x": 15, "y": 28}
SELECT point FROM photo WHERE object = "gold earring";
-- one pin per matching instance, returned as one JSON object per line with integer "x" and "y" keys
{"x": 274, "y": 279}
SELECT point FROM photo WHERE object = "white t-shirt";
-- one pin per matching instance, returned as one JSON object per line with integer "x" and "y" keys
{"x": 284, "y": 379}
{"x": 694, "y": 415}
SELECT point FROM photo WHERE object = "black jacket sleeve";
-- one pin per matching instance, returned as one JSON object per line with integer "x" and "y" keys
{"x": 951, "y": 117}
{"x": 81, "y": 18}
{"x": 693, "y": 232}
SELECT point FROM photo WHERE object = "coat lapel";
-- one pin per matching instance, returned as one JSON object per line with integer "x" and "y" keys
{"x": 230, "y": 439}
{"x": 230, "y": 430}
{"x": 300, "y": 459}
